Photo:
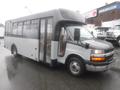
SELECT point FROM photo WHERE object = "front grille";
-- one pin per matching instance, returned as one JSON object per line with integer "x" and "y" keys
{"x": 109, "y": 50}
{"x": 109, "y": 58}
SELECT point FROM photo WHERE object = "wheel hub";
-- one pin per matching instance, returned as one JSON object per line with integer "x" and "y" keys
{"x": 75, "y": 67}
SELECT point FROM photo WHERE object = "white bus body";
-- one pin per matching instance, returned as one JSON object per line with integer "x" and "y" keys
{"x": 58, "y": 37}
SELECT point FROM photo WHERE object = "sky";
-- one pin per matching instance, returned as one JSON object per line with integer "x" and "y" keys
{"x": 11, "y": 9}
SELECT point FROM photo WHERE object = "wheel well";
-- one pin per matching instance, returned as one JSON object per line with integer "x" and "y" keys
{"x": 73, "y": 55}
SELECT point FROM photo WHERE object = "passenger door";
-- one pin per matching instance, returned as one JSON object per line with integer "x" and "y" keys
{"x": 42, "y": 39}
{"x": 62, "y": 42}
{"x": 45, "y": 39}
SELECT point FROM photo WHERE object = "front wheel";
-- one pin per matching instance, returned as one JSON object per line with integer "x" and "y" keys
{"x": 76, "y": 67}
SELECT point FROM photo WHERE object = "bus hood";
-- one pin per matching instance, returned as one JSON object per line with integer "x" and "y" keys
{"x": 99, "y": 44}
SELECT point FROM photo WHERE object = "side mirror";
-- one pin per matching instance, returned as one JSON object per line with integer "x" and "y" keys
{"x": 86, "y": 45}
{"x": 77, "y": 34}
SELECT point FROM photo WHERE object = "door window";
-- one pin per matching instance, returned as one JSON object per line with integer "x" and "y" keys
{"x": 62, "y": 42}
{"x": 42, "y": 38}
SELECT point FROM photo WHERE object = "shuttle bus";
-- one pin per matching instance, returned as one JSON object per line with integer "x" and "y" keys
{"x": 58, "y": 36}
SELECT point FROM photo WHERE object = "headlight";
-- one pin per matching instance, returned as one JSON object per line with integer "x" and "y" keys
{"x": 95, "y": 58}
{"x": 97, "y": 52}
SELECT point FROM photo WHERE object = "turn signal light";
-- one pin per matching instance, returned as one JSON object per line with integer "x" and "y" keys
{"x": 97, "y": 59}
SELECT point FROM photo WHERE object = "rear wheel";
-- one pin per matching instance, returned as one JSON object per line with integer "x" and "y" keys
{"x": 75, "y": 66}
{"x": 14, "y": 51}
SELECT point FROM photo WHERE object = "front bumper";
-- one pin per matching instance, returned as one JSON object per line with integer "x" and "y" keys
{"x": 99, "y": 68}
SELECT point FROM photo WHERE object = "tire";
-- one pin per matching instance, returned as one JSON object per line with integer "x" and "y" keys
{"x": 14, "y": 51}
{"x": 75, "y": 66}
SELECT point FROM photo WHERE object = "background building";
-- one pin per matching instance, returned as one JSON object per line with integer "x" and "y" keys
{"x": 2, "y": 31}
{"x": 104, "y": 16}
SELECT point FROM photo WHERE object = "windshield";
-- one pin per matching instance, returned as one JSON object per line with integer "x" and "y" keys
{"x": 84, "y": 33}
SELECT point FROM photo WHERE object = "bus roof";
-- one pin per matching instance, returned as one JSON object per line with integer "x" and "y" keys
{"x": 58, "y": 14}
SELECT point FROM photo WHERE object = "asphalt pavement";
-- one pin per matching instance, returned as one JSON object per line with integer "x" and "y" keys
{"x": 21, "y": 73}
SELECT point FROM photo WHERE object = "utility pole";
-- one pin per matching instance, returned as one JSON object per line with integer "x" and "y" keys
{"x": 26, "y": 7}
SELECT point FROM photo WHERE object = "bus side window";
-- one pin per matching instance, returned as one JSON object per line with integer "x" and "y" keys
{"x": 19, "y": 29}
{"x": 34, "y": 29}
{"x": 62, "y": 42}
{"x": 8, "y": 30}
{"x": 14, "y": 31}
{"x": 26, "y": 29}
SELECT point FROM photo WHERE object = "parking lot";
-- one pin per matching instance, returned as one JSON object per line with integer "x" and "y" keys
{"x": 21, "y": 73}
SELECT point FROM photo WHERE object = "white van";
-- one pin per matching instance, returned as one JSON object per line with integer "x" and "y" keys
{"x": 113, "y": 34}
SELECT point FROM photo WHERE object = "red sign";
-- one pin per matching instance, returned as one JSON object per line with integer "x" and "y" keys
{"x": 92, "y": 13}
